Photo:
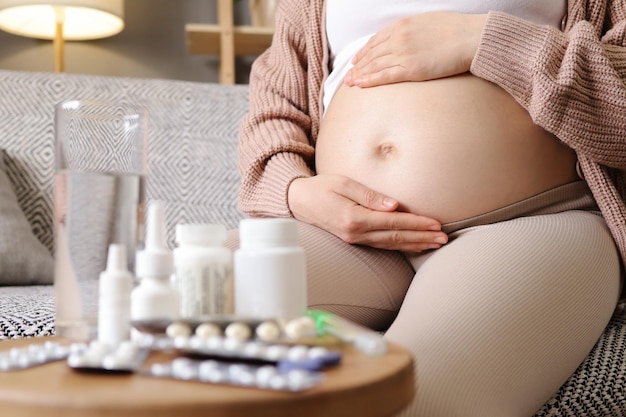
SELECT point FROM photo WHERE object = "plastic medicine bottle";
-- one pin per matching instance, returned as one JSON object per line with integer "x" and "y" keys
{"x": 270, "y": 270}
{"x": 115, "y": 286}
{"x": 203, "y": 270}
{"x": 155, "y": 298}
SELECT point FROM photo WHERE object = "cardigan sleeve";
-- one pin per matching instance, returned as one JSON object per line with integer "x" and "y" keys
{"x": 274, "y": 139}
{"x": 572, "y": 84}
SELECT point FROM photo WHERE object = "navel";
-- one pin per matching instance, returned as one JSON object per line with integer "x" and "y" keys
{"x": 386, "y": 150}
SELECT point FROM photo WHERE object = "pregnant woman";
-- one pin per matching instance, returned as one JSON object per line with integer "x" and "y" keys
{"x": 457, "y": 168}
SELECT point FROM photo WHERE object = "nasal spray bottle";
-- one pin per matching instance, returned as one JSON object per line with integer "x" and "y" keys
{"x": 155, "y": 298}
{"x": 115, "y": 287}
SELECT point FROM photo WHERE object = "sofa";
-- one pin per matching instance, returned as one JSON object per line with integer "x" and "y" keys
{"x": 192, "y": 167}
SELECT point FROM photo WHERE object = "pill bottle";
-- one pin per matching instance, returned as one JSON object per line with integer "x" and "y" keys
{"x": 203, "y": 270}
{"x": 115, "y": 286}
{"x": 270, "y": 270}
{"x": 155, "y": 298}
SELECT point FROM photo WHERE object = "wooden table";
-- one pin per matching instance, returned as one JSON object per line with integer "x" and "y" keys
{"x": 361, "y": 386}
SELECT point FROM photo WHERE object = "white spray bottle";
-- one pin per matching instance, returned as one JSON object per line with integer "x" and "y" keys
{"x": 155, "y": 298}
{"x": 116, "y": 284}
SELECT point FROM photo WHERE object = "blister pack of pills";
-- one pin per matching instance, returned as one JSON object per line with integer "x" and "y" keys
{"x": 284, "y": 357}
{"x": 33, "y": 355}
{"x": 127, "y": 357}
{"x": 269, "y": 330}
{"x": 237, "y": 374}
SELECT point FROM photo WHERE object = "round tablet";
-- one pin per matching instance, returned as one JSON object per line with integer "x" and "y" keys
{"x": 237, "y": 330}
{"x": 268, "y": 331}
{"x": 178, "y": 329}
{"x": 206, "y": 330}
{"x": 301, "y": 327}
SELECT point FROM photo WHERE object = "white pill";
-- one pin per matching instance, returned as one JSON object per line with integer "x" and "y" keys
{"x": 301, "y": 327}
{"x": 206, "y": 330}
{"x": 264, "y": 374}
{"x": 215, "y": 375}
{"x": 317, "y": 352}
{"x": 127, "y": 349}
{"x": 24, "y": 360}
{"x": 117, "y": 362}
{"x": 183, "y": 368}
{"x": 268, "y": 331}
{"x": 254, "y": 349}
{"x": 207, "y": 366}
{"x": 178, "y": 329}
{"x": 215, "y": 343}
{"x": 278, "y": 382}
{"x": 181, "y": 342}
{"x": 298, "y": 353}
{"x": 244, "y": 377}
{"x": 78, "y": 347}
{"x": 233, "y": 345}
{"x": 237, "y": 330}
{"x": 82, "y": 361}
{"x": 197, "y": 343}
{"x": 161, "y": 369}
{"x": 298, "y": 379}
{"x": 276, "y": 352}
{"x": 5, "y": 363}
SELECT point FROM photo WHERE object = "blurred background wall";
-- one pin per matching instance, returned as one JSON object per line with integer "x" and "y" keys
{"x": 152, "y": 45}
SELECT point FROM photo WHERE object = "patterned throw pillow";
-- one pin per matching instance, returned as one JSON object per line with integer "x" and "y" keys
{"x": 23, "y": 259}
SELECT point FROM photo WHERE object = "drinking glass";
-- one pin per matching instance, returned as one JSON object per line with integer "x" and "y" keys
{"x": 99, "y": 198}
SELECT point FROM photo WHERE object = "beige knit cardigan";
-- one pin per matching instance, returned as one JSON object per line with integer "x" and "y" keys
{"x": 572, "y": 83}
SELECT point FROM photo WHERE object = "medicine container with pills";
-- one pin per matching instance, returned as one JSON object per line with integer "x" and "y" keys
{"x": 271, "y": 343}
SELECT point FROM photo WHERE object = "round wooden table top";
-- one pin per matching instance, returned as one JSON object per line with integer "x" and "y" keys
{"x": 361, "y": 386}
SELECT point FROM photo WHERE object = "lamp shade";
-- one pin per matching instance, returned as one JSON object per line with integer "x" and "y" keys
{"x": 82, "y": 19}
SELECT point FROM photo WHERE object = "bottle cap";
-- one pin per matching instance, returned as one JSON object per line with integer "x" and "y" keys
{"x": 156, "y": 259}
{"x": 116, "y": 281}
{"x": 200, "y": 234}
{"x": 268, "y": 232}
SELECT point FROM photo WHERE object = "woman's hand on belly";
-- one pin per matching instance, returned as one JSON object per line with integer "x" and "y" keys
{"x": 360, "y": 215}
{"x": 422, "y": 47}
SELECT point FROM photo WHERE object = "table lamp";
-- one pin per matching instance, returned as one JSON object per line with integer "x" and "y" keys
{"x": 60, "y": 20}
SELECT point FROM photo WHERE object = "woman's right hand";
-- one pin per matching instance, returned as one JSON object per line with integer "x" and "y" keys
{"x": 360, "y": 215}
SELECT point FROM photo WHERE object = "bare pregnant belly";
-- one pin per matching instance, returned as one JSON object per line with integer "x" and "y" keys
{"x": 448, "y": 149}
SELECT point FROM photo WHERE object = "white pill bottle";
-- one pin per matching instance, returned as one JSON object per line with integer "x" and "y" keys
{"x": 270, "y": 270}
{"x": 203, "y": 270}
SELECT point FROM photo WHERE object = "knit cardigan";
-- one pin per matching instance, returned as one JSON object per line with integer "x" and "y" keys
{"x": 571, "y": 82}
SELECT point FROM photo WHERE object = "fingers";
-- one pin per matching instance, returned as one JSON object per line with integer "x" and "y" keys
{"x": 364, "y": 196}
{"x": 370, "y": 77}
{"x": 361, "y": 215}
{"x": 398, "y": 231}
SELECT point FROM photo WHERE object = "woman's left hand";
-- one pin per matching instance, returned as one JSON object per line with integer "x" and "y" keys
{"x": 418, "y": 48}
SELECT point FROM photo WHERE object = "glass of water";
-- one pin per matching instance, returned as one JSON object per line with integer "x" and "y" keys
{"x": 99, "y": 198}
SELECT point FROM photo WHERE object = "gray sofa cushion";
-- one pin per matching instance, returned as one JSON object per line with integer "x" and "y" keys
{"x": 23, "y": 259}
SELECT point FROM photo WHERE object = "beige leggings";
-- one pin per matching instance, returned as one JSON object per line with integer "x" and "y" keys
{"x": 498, "y": 318}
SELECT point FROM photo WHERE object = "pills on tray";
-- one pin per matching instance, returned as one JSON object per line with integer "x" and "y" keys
{"x": 254, "y": 351}
{"x": 245, "y": 375}
{"x": 125, "y": 357}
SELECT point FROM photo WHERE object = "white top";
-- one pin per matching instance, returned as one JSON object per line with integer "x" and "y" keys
{"x": 350, "y": 23}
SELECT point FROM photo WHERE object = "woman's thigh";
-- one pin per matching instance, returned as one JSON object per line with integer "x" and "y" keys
{"x": 363, "y": 284}
{"x": 502, "y": 315}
